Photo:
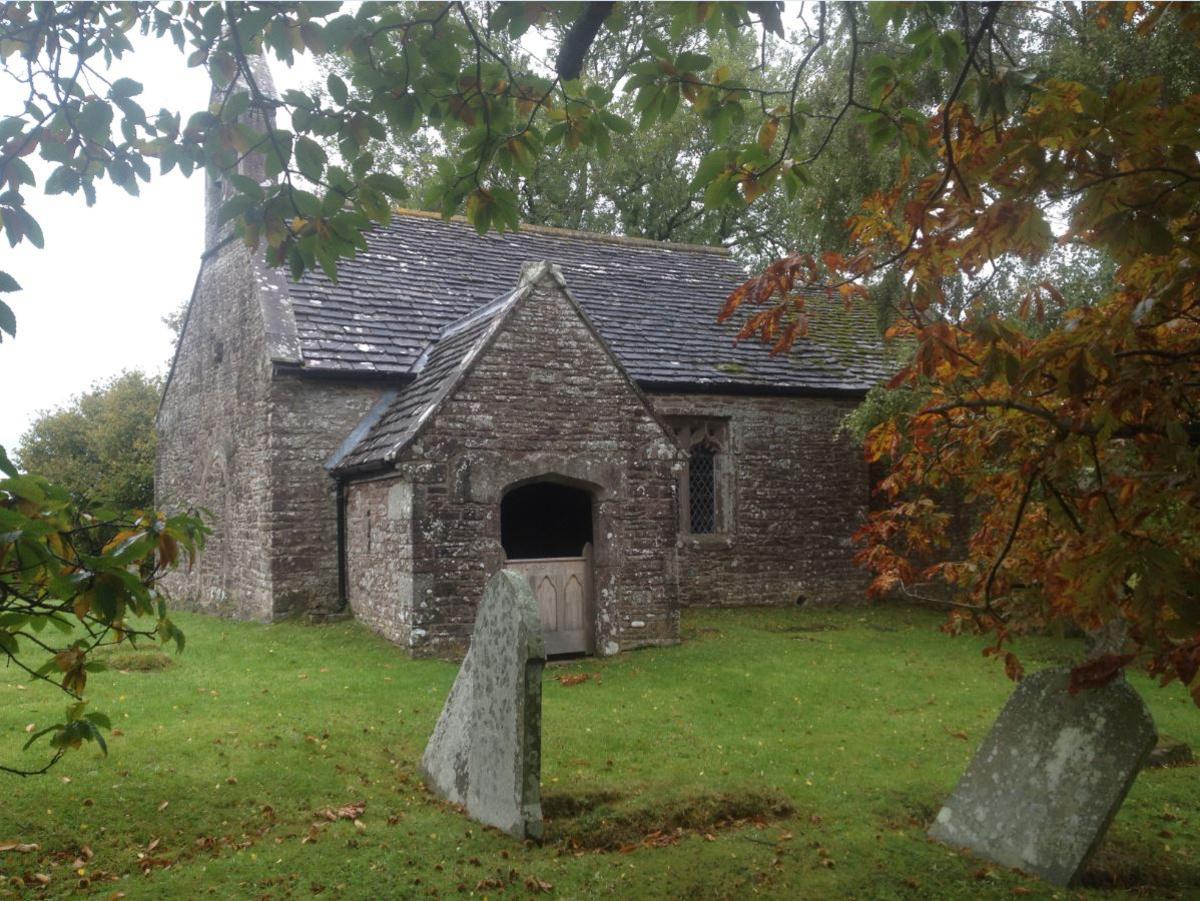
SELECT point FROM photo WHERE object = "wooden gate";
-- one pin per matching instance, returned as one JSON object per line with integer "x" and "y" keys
{"x": 563, "y": 588}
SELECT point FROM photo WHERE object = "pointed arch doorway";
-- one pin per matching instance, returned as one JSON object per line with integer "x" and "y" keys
{"x": 546, "y": 529}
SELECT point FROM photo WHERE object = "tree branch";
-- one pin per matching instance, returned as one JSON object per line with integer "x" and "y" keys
{"x": 579, "y": 40}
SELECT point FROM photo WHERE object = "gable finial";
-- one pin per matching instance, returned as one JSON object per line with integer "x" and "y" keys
{"x": 533, "y": 271}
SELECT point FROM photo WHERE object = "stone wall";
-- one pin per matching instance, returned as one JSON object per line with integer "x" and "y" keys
{"x": 212, "y": 440}
{"x": 796, "y": 492}
{"x": 379, "y": 556}
{"x": 545, "y": 400}
{"x": 309, "y": 419}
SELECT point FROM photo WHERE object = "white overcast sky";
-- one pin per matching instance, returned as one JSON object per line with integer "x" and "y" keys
{"x": 93, "y": 298}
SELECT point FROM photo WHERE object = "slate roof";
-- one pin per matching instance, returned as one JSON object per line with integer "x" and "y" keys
{"x": 396, "y": 418}
{"x": 654, "y": 304}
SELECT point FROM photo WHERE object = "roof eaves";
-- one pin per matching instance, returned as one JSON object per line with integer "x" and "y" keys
{"x": 748, "y": 389}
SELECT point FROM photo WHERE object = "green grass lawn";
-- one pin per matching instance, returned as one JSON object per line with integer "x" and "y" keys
{"x": 785, "y": 753}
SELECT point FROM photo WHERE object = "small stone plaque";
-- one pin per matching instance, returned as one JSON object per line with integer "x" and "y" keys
{"x": 485, "y": 752}
{"x": 1050, "y": 776}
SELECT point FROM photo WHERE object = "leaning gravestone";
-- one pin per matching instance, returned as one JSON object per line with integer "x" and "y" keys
{"x": 485, "y": 752}
{"x": 1050, "y": 776}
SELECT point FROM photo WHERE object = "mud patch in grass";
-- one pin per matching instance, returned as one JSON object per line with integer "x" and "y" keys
{"x": 802, "y": 627}
{"x": 1134, "y": 867}
{"x": 149, "y": 660}
{"x": 564, "y": 806}
{"x": 602, "y": 826}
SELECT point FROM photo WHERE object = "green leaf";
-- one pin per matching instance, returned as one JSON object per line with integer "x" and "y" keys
{"x": 403, "y": 113}
{"x": 6, "y": 465}
{"x": 392, "y": 185}
{"x": 19, "y": 172}
{"x": 711, "y": 165}
{"x": 94, "y": 121}
{"x": 337, "y": 89}
{"x": 238, "y": 103}
{"x": 693, "y": 62}
{"x": 8, "y": 321}
{"x": 614, "y": 123}
{"x": 374, "y": 204}
{"x": 311, "y": 158}
{"x": 308, "y": 204}
{"x": 656, "y": 45}
{"x": 99, "y": 719}
{"x": 125, "y": 87}
{"x": 720, "y": 191}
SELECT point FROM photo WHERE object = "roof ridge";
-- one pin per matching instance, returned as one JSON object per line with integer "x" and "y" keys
{"x": 626, "y": 240}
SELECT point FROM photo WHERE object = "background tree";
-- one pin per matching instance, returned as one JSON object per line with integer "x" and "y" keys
{"x": 101, "y": 444}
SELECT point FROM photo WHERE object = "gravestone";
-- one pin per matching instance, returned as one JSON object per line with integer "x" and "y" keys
{"x": 485, "y": 752}
{"x": 1050, "y": 776}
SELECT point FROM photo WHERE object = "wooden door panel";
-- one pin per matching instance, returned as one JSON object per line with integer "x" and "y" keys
{"x": 562, "y": 586}
{"x": 572, "y": 603}
{"x": 547, "y": 595}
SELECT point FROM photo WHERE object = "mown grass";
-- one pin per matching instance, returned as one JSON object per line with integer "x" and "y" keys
{"x": 781, "y": 753}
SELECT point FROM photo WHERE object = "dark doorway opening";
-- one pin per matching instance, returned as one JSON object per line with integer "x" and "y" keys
{"x": 545, "y": 519}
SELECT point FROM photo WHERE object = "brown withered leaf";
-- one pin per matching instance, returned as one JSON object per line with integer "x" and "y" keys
{"x": 573, "y": 679}
{"x": 1098, "y": 672}
{"x": 537, "y": 886}
{"x": 346, "y": 812}
{"x": 20, "y": 847}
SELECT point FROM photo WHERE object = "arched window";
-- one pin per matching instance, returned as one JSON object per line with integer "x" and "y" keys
{"x": 705, "y": 489}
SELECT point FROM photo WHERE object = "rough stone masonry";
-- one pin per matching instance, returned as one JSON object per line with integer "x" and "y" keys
{"x": 485, "y": 752}
{"x": 1050, "y": 776}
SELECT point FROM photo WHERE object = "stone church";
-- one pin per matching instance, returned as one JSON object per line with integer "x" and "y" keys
{"x": 564, "y": 404}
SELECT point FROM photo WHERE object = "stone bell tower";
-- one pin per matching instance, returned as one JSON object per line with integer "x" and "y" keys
{"x": 263, "y": 99}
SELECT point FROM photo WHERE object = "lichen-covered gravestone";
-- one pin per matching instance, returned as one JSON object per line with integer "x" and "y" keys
{"x": 1050, "y": 776}
{"x": 485, "y": 752}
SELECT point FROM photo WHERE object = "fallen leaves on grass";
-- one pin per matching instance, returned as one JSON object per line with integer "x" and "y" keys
{"x": 573, "y": 679}
{"x": 347, "y": 812}
{"x": 962, "y": 736}
{"x": 656, "y": 839}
